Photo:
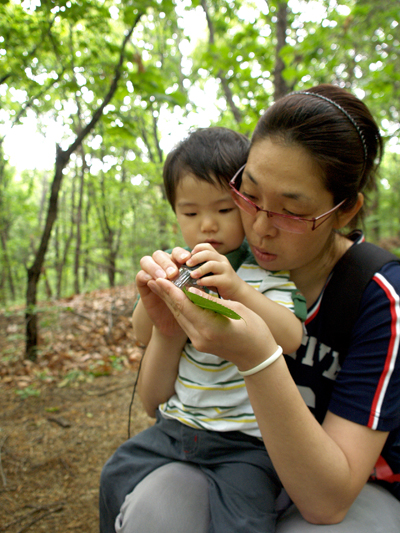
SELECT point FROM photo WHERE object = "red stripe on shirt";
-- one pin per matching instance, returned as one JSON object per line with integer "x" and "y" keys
{"x": 382, "y": 471}
{"x": 312, "y": 313}
{"x": 392, "y": 350}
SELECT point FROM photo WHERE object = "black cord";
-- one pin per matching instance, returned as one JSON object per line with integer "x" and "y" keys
{"x": 133, "y": 397}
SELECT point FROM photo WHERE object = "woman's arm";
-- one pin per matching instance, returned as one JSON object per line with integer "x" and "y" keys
{"x": 159, "y": 369}
{"x": 323, "y": 468}
{"x": 286, "y": 328}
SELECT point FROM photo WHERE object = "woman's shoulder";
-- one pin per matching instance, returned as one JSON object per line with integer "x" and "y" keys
{"x": 383, "y": 264}
{"x": 381, "y": 297}
{"x": 364, "y": 259}
{"x": 387, "y": 278}
{"x": 368, "y": 271}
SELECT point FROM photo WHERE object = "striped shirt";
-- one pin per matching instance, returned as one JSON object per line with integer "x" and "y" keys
{"x": 209, "y": 391}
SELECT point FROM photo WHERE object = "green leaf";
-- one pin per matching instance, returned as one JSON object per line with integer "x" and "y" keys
{"x": 204, "y": 303}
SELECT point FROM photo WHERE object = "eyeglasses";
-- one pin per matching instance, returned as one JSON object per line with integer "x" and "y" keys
{"x": 279, "y": 220}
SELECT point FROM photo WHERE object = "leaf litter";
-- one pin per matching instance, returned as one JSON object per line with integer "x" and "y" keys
{"x": 62, "y": 416}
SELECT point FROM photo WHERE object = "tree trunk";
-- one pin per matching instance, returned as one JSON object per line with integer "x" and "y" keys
{"x": 58, "y": 261}
{"x": 111, "y": 268}
{"x": 35, "y": 270}
{"x": 87, "y": 240}
{"x": 7, "y": 273}
{"x": 280, "y": 85}
{"x": 4, "y": 230}
{"x": 49, "y": 292}
{"x": 62, "y": 158}
{"x": 78, "y": 224}
{"x": 221, "y": 75}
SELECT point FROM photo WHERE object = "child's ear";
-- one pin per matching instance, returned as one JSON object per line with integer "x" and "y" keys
{"x": 344, "y": 217}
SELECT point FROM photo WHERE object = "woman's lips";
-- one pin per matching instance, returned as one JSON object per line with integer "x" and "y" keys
{"x": 262, "y": 256}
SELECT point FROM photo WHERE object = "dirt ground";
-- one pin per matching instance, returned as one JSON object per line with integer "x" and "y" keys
{"x": 63, "y": 416}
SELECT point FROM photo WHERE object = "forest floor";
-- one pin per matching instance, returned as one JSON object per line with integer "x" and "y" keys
{"x": 63, "y": 416}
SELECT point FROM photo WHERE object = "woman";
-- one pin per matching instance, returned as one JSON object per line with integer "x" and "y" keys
{"x": 313, "y": 157}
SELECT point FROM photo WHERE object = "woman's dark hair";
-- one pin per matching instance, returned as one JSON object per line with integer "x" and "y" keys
{"x": 339, "y": 133}
{"x": 211, "y": 154}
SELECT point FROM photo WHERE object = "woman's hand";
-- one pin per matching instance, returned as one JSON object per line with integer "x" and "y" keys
{"x": 246, "y": 342}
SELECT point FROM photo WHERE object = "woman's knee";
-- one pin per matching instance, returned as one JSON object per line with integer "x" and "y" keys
{"x": 172, "y": 498}
{"x": 374, "y": 511}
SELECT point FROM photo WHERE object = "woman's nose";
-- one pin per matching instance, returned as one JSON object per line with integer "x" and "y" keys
{"x": 263, "y": 225}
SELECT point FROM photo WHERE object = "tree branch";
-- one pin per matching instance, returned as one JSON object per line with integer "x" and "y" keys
{"x": 62, "y": 158}
{"x": 113, "y": 87}
{"x": 220, "y": 74}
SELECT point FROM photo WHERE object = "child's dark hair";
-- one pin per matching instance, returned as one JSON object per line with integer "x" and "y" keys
{"x": 210, "y": 154}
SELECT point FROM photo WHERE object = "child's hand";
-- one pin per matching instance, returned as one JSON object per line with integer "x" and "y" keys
{"x": 159, "y": 265}
{"x": 164, "y": 265}
{"x": 221, "y": 275}
{"x": 212, "y": 333}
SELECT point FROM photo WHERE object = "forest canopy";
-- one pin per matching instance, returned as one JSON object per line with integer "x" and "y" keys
{"x": 123, "y": 81}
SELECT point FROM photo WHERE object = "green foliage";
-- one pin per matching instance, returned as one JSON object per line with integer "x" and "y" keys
{"x": 27, "y": 392}
{"x": 205, "y": 303}
{"x": 57, "y": 60}
{"x": 386, "y": 215}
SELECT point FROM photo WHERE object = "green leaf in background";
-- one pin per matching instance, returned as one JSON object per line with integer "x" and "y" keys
{"x": 204, "y": 303}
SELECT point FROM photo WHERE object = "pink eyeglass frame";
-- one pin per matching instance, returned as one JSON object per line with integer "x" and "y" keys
{"x": 272, "y": 214}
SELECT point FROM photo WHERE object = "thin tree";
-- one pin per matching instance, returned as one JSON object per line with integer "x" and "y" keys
{"x": 62, "y": 159}
{"x": 221, "y": 75}
{"x": 280, "y": 86}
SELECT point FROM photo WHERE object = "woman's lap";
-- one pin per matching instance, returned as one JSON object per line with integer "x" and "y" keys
{"x": 245, "y": 469}
{"x": 374, "y": 511}
{"x": 153, "y": 506}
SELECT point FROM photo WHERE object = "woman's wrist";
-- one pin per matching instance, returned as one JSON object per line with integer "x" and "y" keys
{"x": 265, "y": 364}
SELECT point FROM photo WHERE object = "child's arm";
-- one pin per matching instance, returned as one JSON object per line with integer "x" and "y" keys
{"x": 286, "y": 328}
{"x": 141, "y": 324}
{"x": 159, "y": 369}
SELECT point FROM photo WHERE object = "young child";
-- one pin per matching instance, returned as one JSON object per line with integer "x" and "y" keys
{"x": 196, "y": 180}
{"x": 188, "y": 390}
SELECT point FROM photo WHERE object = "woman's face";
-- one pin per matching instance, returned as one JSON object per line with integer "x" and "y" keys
{"x": 285, "y": 179}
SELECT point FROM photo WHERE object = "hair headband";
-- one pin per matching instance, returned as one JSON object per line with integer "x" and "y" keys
{"x": 357, "y": 127}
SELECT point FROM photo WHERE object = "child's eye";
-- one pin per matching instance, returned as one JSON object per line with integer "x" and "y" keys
{"x": 227, "y": 210}
{"x": 190, "y": 214}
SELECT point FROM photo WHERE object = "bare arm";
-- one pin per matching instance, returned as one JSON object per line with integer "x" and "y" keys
{"x": 159, "y": 369}
{"x": 286, "y": 328}
{"x": 141, "y": 324}
{"x": 323, "y": 468}
{"x": 155, "y": 325}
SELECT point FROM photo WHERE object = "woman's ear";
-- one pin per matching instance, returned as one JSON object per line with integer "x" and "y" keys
{"x": 344, "y": 217}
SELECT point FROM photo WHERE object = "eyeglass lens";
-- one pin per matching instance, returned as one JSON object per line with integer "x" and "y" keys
{"x": 282, "y": 222}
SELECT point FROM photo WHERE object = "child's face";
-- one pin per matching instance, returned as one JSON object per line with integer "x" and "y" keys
{"x": 207, "y": 213}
